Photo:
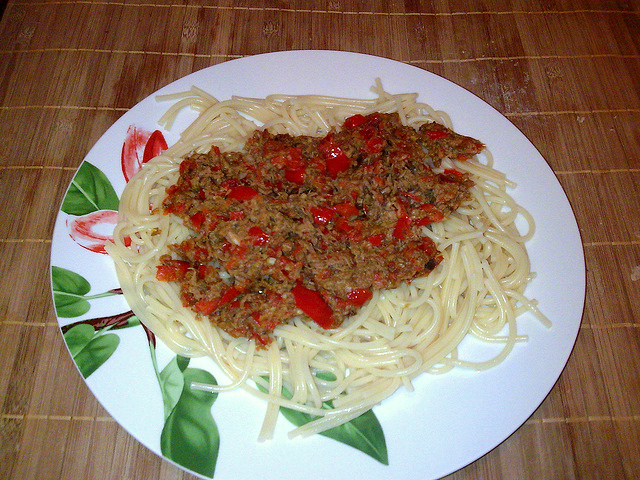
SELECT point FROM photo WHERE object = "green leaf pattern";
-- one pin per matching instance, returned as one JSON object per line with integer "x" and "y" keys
{"x": 190, "y": 436}
{"x": 90, "y": 191}
{"x": 69, "y": 290}
{"x": 171, "y": 381}
{"x": 90, "y": 348}
{"x": 363, "y": 433}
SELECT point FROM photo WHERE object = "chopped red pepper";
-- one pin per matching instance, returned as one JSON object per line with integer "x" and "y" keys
{"x": 433, "y": 214}
{"x": 354, "y": 121}
{"x": 430, "y": 248}
{"x": 259, "y": 236}
{"x": 294, "y": 159}
{"x": 402, "y": 226}
{"x": 359, "y": 296}
{"x": 451, "y": 176}
{"x": 324, "y": 274}
{"x": 313, "y": 305}
{"x": 229, "y": 294}
{"x": 346, "y": 209}
{"x": 293, "y": 163}
{"x": 197, "y": 219}
{"x": 263, "y": 339}
{"x": 374, "y": 145}
{"x": 237, "y": 253}
{"x": 454, "y": 173}
{"x": 172, "y": 270}
{"x": 177, "y": 209}
{"x": 295, "y": 176}
{"x": 186, "y": 165}
{"x": 172, "y": 189}
{"x": 202, "y": 271}
{"x": 201, "y": 255}
{"x": 206, "y": 307}
{"x": 242, "y": 192}
{"x": 285, "y": 157}
{"x": 335, "y": 158}
{"x": 343, "y": 225}
{"x": 436, "y": 134}
{"x": 378, "y": 180}
{"x": 376, "y": 239}
{"x": 412, "y": 196}
{"x": 322, "y": 215}
{"x": 238, "y": 250}
{"x": 288, "y": 267}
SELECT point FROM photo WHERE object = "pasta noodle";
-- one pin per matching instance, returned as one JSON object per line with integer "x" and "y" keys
{"x": 477, "y": 290}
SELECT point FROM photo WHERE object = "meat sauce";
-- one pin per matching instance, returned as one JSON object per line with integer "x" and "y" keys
{"x": 307, "y": 225}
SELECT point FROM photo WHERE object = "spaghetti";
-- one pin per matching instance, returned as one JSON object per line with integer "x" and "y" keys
{"x": 476, "y": 291}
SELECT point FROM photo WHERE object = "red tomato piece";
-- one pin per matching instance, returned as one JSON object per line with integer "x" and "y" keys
{"x": 436, "y": 134}
{"x": 354, "y": 121}
{"x": 402, "y": 226}
{"x": 178, "y": 208}
{"x": 376, "y": 240}
{"x": 322, "y": 215}
{"x": 206, "y": 307}
{"x": 242, "y": 192}
{"x": 343, "y": 225}
{"x": 429, "y": 247}
{"x": 201, "y": 255}
{"x": 197, "y": 219}
{"x": 313, "y": 305}
{"x": 202, "y": 271}
{"x": 412, "y": 196}
{"x": 294, "y": 159}
{"x": 259, "y": 236}
{"x": 359, "y": 296}
{"x": 346, "y": 209}
{"x": 186, "y": 165}
{"x": 295, "y": 176}
{"x": 374, "y": 145}
{"x": 454, "y": 173}
{"x": 229, "y": 294}
{"x": 335, "y": 158}
{"x": 433, "y": 214}
{"x": 172, "y": 270}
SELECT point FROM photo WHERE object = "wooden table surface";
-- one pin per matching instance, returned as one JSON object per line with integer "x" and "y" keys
{"x": 567, "y": 73}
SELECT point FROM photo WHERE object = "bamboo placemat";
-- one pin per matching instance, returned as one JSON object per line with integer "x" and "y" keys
{"x": 565, "y": 72}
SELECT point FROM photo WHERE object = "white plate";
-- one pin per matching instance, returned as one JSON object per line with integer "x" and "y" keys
{"x": 448, "y": 421}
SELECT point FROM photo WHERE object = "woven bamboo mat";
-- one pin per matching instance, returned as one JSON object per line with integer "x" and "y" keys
{"x": 567, "y": 73}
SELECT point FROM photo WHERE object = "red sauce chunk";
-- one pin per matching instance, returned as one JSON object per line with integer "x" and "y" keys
{"x": 311, "y": 226}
